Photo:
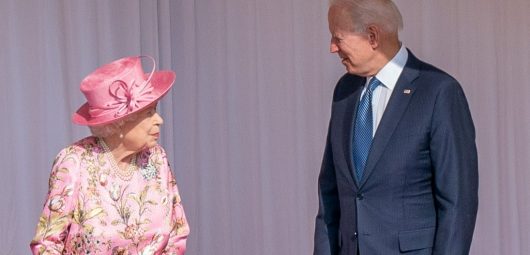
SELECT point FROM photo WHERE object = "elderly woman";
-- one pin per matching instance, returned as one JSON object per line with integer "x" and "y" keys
{"x": 113, "y": 192}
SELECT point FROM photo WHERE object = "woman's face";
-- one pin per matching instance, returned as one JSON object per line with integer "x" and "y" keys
{"x": 144, "y": 131}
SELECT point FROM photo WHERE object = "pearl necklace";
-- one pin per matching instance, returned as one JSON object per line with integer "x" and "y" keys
{"x": 125, "y": 175}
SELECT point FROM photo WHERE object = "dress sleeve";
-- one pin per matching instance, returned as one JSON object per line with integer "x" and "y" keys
{"x": 56, "y": 215}
{"x": 179, "y": 233}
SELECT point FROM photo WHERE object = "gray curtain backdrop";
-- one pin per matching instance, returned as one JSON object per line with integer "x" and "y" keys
{"x": 246, "y": 121}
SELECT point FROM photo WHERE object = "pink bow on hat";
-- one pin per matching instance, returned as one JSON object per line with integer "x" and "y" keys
{"x": 128, "y": 98}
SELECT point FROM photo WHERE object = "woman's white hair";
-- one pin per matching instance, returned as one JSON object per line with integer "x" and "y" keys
{"x": 112, "y": 128}
{"x": 364, "y": 13}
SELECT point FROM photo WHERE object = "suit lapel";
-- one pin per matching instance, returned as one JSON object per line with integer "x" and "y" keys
{"x": 399, "y": 100}
{"x": 345, "y": 101}
{"x": 349, "y": 116}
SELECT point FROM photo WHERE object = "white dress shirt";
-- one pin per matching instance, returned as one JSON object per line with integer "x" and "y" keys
{"x": 388, "y": 76}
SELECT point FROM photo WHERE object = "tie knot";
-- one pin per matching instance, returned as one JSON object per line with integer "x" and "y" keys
{"x": 374, "y": 82}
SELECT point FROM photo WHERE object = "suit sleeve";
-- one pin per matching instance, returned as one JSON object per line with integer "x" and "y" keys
{"x": 454, "y": 158}
{"x": 327, "y": 220}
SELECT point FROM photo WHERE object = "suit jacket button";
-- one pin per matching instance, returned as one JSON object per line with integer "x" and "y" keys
{"x": 354, "y": 237}
{"x": 360, "y": 196}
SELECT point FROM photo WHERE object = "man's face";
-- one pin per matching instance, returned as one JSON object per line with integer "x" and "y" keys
{"x": 354, "y": 48}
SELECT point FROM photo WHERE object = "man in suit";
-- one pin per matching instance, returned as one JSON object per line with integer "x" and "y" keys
{"x": 399, "y": 173}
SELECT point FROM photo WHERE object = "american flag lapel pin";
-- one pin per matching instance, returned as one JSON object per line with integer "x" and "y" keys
{"x": 407, "y": 91}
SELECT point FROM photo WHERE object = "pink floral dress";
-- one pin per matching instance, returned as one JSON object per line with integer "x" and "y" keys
{"x": 90, "y": 210}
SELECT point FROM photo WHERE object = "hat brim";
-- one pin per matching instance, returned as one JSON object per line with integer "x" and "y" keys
{"x": 161, "y": 81}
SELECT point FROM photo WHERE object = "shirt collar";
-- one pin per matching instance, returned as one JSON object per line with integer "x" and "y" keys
{"x": 390, "y": 73}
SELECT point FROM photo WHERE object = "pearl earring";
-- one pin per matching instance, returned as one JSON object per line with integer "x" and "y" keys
{"x": 121, "y": 136}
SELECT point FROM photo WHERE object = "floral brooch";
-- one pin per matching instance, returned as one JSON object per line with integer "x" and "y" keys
{"x": 149, "y": 171}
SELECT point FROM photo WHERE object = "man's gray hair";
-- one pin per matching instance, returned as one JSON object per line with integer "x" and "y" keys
{"x": 364, "y": 13}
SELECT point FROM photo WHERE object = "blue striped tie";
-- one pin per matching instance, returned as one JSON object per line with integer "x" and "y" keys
{"x": 363, "y": 130}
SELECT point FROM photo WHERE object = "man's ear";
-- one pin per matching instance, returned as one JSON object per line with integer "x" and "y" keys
{"x": 374, "y": 35}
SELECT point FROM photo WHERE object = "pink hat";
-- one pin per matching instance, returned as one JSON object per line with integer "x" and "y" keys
{"x": 119, "y": 89}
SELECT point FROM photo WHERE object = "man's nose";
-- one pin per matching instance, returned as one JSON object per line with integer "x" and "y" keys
{"x": 333, "y": 48}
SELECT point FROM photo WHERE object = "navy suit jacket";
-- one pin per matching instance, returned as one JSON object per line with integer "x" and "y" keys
{"x": 419, "y": 191}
